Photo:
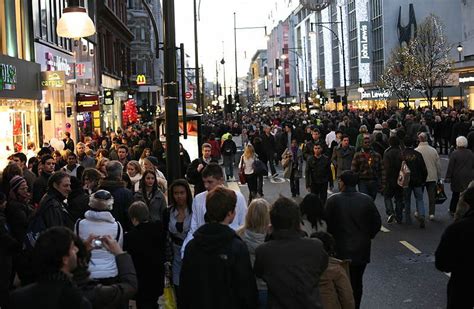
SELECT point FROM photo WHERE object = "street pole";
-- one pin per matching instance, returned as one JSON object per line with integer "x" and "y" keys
{"x": 236, "y": 97}
{"x": 170, "y": 92}
{"x": 183, "y": 91}
{"x": 344, "y": 101}
{"x": 196, "y": 56}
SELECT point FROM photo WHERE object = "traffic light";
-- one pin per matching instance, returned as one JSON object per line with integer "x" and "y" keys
{"x": 236, "y": 98}
{"x": 333, "y": 93}
{"x": 337, "y": 99}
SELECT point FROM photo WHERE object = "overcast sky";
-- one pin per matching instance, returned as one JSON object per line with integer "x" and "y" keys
{"x": 216, "y": 29}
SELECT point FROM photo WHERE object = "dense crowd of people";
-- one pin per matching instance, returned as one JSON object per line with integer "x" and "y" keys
{"x": 96, "y": 223}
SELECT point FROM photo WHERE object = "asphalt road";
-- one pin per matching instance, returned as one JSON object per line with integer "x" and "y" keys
{"x": 402, "y": 272}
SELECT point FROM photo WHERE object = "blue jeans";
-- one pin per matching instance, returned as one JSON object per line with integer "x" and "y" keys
{"x": 262, "y": 299}
{"x": 368, "y": 187}
{"x": 420, "y": 207}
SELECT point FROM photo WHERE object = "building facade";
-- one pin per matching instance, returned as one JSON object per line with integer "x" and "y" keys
{"x": 114, "y": 39}
{"x": 257, "y": 79}
{"x": 20, "y": 94}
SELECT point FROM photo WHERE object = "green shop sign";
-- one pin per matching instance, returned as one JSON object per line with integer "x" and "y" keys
{"x": 7, "y": 77}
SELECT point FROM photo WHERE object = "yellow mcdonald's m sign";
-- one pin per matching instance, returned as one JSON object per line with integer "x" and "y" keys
{"x": 141, "y": 79}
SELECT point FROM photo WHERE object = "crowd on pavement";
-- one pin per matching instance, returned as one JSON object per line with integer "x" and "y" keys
{"x": 95, "y": 223}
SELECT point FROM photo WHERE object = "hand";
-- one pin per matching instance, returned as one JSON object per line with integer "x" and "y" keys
{"x": 111, "y": 245}
{"x": 88, "y": 242}
{"x": 200, "y": 167}
{"x": 308, "y": 189}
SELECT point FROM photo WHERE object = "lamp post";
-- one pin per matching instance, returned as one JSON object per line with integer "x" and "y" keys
{"x": 170, "y": 86}
{"x": 305, "y": 71}
{"x": 236, "y": 96}
{"x": 199, "y": 102}
{"x": 461, "y": 94}
{"x": 341, "y": 42}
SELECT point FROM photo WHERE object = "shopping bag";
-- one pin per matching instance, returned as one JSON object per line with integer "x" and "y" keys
{"x": 241, "y": 172}
{"x": 440, "y": 196}
{"x": 169, "y": 298}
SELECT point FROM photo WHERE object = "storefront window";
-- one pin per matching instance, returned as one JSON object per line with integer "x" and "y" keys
{"x": 19, "y": 119}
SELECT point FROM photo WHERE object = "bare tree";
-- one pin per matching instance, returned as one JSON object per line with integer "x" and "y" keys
{"x": 399, "y": 74}
{"x": 431, "y": 55}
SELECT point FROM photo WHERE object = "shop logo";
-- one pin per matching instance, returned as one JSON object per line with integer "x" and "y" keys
{"x": 141, "y": 79}
{"x": 57, "y": 63}
{"x": 7, "y": 77}
{"x": 364, "y": 42}
{"x": 52, "y": 80}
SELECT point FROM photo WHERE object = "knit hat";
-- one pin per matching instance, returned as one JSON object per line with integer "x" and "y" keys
{"x": 101, "y": 200}
{"x": 378, "y": 126}
{"x": 16, "y": 182}
{"x": 153, "y": 160}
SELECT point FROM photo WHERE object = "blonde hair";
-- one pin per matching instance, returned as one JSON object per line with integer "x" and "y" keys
{"x": 136, "y": 165}
{"x": 249, "y": 152}
{"x": 258, "y": 216}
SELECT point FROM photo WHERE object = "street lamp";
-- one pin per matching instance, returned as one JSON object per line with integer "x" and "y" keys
{"x": 236, "y": 97}
{"x": 75, "y": 23}
{"x": 305, "y": 71}
{"x": 341, "y": 42}
{"x": 360, "y": 89}
{"x": 460, "y": 48}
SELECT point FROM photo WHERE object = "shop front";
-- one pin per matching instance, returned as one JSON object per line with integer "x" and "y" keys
{"x": 57, "y": 84}
{"x": 113, "y": 102}
{"x": 88, "y": 114}
{"x": 19, "y": 113}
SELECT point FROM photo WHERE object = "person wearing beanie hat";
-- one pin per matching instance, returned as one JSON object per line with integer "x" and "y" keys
{"x": 18, "y": 210}
{"x": 99, "y": 221}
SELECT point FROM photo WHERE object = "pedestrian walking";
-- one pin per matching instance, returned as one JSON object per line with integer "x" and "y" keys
{"x": 292, "y": 162}
{"x": 246, "y": 164}
{"x": 228, "y": 150}
{"x": 318, "y": 173}
{"x": 392, "y": 162}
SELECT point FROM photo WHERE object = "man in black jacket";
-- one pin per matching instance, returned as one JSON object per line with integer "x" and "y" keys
{"x": 40, "y": 186}
{"x": 392, "y": 162}
{"x": 455, "y": 254}
{"x": 318, "y": 173}
{"x": 123, "y": 197}
{"x": 418, "y": 174}
{"x": 269, "y": 148}
{"x": 216, "y": 271}
{"x": 54, "y": 258}
{"x": 353, "y": 220}
{"x": 194, "y": 172}
{"x": 290, "y": 264}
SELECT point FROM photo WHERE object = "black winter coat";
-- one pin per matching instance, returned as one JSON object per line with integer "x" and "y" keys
{"x": 216, "y": 272}
{"x": 353, "y": 220}
{"x": 194, "y": 177}
{"x": 417, "y": 166}
{"x": 455, "y": 254}
{"x": 392, "y": 162}
{"x": 56, "y": 291}
{"x": 146, "y": 244}
{"x": 78, "y": 203}
{"x": 18, "y": 215}
{"x": 268, "y": 144}
{"x": 318, "y": 170}
{"x": 123, "y": 198}
{"x": 291, "y": 266}
{"x": 53, "y": 210}
{"x": 40, "y": 187}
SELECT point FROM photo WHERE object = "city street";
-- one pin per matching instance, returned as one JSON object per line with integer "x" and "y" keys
{"x": 402, "y": 272}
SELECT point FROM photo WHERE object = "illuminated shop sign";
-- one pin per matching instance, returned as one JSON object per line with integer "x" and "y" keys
{"x": 7, "y": 77}
{"x": 375, "y": 94}
{"x": 466, "y": 79}
{"x": 52, "y": 80}
{"x": 141, "y": 79}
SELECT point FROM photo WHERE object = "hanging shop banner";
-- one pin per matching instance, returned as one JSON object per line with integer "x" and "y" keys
{"x": 53, "y": 80}
{"x": 19, "y": 78}
{"x": 108, "y": 97}
{"x": 364, "y": 53}
{"x": 87, "y": 103}
{"x": 315, "y": 5}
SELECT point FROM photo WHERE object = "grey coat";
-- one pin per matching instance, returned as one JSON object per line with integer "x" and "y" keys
{"x": 460, "y": 169}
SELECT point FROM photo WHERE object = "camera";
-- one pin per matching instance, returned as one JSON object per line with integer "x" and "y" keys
{"x": 97, "y": 244}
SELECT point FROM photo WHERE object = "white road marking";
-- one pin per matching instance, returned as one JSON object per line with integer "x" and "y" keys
{"x": 410, "y": 247}
{"x": 384, "y": 229}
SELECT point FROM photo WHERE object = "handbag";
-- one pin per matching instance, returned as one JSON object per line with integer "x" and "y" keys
{"x": 440, "y": 196}
{"x": 241, "y": 172}
{"x": 404, "y": 175}
{"x": 259, "y": 167}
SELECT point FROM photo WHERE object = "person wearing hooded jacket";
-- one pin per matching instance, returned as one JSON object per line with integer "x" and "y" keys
{"x": 99, "y": 222}
{"x": 216, "y": 271}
